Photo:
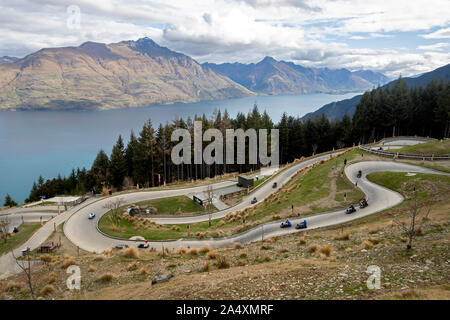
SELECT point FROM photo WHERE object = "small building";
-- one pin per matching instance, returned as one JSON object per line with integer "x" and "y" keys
{"x": 245, "y": 181}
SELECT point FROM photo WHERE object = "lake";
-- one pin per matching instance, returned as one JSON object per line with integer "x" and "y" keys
{"x": 50, "y": 142}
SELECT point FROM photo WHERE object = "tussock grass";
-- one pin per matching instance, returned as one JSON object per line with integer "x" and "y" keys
{"x": 243, "y": 255}
{"x": 212, "y": 255}
{"x": 204, "y": 250}
{"x": 12, "y": 286}
{"x": 222, "y": 262}
{"x": 68, "y": 262}
{"x": 237, "y": 245}
{"x": 131, "y": 252}
{"x": 192, "y": 251}
{"x": 92, "y": 268}
{"x": 206, "y": 266}
{"x": 143, "y": 271}
{"x": 302, "y": 241}
{"x": 47, "y": 290}
{"x": 326, "y": 250}
{"x": 342, "y": 236}
{"x": 46, "y": 258}
{"x": 107, "y": 277}
{"x": 313, "y": 248}
{"x": 367, "y": 244}
{"x": 182, "y": 250}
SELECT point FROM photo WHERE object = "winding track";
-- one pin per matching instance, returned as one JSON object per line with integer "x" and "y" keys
{"x": 85, "y": 234}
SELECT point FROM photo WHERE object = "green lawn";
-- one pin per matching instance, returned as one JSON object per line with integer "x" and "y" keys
{"x": 314, "y": 185}
{"x": 17, "y": 239}
{"x": 173, "y": 205}
{"x": 400, "y": 182}
{"x": 435, "y": 147}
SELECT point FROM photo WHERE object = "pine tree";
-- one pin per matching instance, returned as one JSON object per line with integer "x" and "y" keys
{"x": 9, "y": 202}
{"x": 118, "y": 164}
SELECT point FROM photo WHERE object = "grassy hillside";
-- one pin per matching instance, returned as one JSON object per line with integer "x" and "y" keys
{"x": 436, "y": 148}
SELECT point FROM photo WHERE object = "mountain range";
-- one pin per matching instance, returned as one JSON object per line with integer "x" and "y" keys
{"x": 139, "y": 73}
{"x": 100, "y": 76}
{"x": 336, "y": 110}
{"x": 273, "y": 77}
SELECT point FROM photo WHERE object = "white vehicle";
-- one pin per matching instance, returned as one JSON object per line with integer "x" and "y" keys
{"x": 91, "y": 216}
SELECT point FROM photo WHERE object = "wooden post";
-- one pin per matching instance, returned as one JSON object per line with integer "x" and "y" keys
{"x": 54, "y": 226}
{"x": 78, "y": 251}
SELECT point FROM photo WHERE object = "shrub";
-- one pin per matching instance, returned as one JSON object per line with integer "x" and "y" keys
{"x": 222, "y": 262}
{"x": 267, "y": 258}
{"x": 51, "y": 278}
{"x": 367, "y": 244}
{"x": 342, "y": 236}
{"x": 237, "y": 245}
{"x": 107, "y": 251}
{"x": 132, "y": 266}
{"x": 131, "y": 252}
{"x": 326, "y": 250}
{"x": 204, "y": 250}
{"x": 47, "y": 289}
{"x": 107, "y": 277}
{"x": 176, "y": 228}
{"x": 99, "y": 258}
{"x": 182, "y": 250}
{"x": 193, "y": 251}
{"x": 92, "y": 268}
{"x": 12, "y": 285}
{"x": 313, "y": 248}
{"x": 143, "y": 271}
{"x": 283, "y": 250}
{"x": 68, "y": 262}
{"x": 206, "y": 266}
{"x": 243, "y": 255}
{"x": 302, "y": 241}
{"x": 212, "y": 255}
{"x": 46, "y": 258}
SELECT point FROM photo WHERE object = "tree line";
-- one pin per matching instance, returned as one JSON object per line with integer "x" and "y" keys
{"x": 145, "y": 159}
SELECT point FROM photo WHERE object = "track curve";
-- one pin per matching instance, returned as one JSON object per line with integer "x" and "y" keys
{"x": 84, "y": 233}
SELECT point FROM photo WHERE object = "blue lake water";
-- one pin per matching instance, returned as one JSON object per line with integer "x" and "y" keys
{"x": 50, "y": 142}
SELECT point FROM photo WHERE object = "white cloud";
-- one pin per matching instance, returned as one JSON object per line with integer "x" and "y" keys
{"x": 312, "y": 33}
{"x": 434, "y": 47}
{"x": 439, "y": 34}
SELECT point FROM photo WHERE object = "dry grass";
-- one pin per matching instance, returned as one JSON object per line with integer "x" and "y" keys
{"x": 204, "y": 250}
{"x": 367, "y": 244}
{"x": 51, "y": 278}
{"x": 206, "y": 266}
{"x": 46, "y": 258}
{"x": 131, "y": 252}
{"x": 182, "y": 250}
{"x": 143, "y": 271}
{"x": 192, "y": 251}
{"x": 342, "y": 236}
{"x": 108, "y": 251}
{"x": 107, "y": 277}
{"x": 302, "y": 241}
{"x": 92, "y": 268}
{"x": 313, "y": 248}
{"x": 237, "y": 245}
{"x": 68, "y": 262}
{"x": 222, "y": 262}
{"x": 47, "y": 290}
{"x": 99, "y": 258}
{"x": 12, "y": 285}
{"x": 283, "y": 250}
{"x": 132, "y": 266}
{"x": 243, "y": 255}
{"x": 212, "y": 255}
{"x": 326, "y": 250}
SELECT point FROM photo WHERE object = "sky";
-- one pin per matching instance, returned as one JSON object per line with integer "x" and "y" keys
{"x": 396, "y": 37}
